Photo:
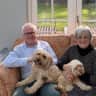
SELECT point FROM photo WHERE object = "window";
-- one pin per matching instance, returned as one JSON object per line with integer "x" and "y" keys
{"x": 52, "y": 14}
{"x": 55, "y": 16}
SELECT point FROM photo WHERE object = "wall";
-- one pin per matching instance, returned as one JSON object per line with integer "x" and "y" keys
{"x": 12, "y": 16}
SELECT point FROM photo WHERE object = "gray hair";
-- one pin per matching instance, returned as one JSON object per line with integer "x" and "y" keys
{"x": 83, "y": 29}
{"x": 30, "y": 25}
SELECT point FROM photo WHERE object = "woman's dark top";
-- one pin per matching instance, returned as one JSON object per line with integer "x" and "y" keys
{"x": 87, "y": 57}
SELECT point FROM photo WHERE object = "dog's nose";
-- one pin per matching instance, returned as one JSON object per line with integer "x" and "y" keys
{"x": 38, "y": 60}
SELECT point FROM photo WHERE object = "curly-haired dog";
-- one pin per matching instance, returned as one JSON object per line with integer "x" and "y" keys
{"x": 44, "y": 70}
{"x": 77, "y": 69}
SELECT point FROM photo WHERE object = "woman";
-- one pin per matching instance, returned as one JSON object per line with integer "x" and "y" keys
{"x": 85, "y": 52}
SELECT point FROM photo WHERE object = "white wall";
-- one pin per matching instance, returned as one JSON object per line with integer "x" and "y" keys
{"x": 12, "y": 16}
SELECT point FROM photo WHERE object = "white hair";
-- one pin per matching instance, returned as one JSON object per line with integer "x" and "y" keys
{"x": 29, "y": 24}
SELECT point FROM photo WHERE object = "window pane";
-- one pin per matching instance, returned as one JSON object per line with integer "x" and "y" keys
{"x": 61, "y": 14}
{"x": 89, "y": 14}
{"x": 44, "y": 9}
{"x": 52, "y": 14}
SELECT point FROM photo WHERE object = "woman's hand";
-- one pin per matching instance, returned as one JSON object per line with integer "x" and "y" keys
{"x": 69, "y": 76}
{"x": 68, "y": 73}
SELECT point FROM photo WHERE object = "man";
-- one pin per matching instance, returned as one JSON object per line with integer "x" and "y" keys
{"x": 19, "y": 58}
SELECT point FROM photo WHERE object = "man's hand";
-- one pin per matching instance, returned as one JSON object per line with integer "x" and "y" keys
{"x": 30, "y": 60}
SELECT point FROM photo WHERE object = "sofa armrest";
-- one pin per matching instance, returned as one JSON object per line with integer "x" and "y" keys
{"x": 3, "y": 91}
{"x": 8, "y": 79}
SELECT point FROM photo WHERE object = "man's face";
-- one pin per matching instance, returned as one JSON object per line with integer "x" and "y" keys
{"x": 29, "y": 35}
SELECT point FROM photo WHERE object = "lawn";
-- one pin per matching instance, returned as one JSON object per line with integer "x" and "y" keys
{"x": 89, "y": 11}
{"x": 60, "y": 11}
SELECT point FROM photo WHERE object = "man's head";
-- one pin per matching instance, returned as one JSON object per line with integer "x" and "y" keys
{"x": 29, "y": 33}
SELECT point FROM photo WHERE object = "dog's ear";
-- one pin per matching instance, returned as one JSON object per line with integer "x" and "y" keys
{"x": 50, "y": 61}
{"x": 81, "y": 69}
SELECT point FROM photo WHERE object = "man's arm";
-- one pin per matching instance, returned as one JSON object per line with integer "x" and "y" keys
{"x": 14, "y": 59}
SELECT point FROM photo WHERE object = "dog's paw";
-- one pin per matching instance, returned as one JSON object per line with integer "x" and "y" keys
{"x": 27, "y": 90}
{"x": 58, "y": 89}
{"x": 87, "y": 88}
{"x": 61, "y": 89}
{"x": 69, "y": 88}
{"x": 18, "y": 84}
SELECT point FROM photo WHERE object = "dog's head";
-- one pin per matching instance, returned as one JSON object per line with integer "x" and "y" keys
{"x": 76, "y": 67}
{"x": 42, "y": 58}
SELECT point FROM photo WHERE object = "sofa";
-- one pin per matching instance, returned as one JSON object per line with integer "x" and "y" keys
{"x": 9, "y": 76}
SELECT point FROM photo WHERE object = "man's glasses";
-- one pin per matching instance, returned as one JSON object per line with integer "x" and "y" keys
{"x": 29, "y": 33}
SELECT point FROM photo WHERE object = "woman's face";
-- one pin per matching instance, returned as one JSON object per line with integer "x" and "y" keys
{"x": 83, "y": 40}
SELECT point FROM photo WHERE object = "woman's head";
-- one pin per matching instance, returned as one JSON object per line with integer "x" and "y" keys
{"x": 83, "y": 36}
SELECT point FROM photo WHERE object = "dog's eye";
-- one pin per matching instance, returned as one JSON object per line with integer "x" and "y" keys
{"x": 44, "y": 56}
{"x": 38, "y": 53}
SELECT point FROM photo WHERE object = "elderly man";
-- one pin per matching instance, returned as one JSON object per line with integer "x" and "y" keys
{"x": 19, "y": 58}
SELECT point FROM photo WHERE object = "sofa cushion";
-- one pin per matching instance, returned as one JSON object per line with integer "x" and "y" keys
{"x": 58, "y": 42}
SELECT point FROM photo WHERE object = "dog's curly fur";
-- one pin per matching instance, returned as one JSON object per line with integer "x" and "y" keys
{"x": 43, "y": 70}
{"x": 77, "y": 69}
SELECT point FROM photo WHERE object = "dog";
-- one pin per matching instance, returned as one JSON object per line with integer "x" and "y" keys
{"x": 76, "y": 68}
{"x": 44, "y": 70}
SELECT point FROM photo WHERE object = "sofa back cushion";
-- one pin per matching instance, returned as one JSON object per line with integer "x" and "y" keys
{"x": 58, "y": 42}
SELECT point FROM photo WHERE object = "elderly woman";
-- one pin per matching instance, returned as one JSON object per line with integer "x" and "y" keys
{"x": 85, "y": 52}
